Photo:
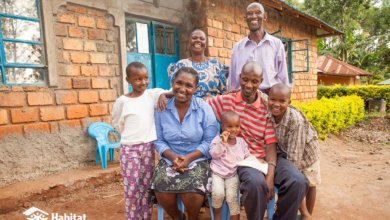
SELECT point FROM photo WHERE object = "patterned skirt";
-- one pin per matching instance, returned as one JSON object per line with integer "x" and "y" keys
{"x": 196, "y": 179}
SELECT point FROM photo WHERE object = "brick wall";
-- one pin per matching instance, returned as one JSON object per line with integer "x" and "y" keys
{"x": 224, "y": 24}
{"x": 88, "y": 73}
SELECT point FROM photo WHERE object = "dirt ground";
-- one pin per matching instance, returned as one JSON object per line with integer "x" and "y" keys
{"x": 355, "y": 182}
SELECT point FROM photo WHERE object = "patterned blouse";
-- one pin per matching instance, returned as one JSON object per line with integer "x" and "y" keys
{"x": 212, "y": 76}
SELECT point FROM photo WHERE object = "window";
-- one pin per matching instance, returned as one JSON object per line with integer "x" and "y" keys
{"x": 137, "y": 37}
{"x": 22, "y": 52}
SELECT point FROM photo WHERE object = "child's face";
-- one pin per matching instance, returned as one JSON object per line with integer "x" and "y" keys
{"x": 232, "y": 125}
{"x": 139, "y": 79}
{"x": 278, "y": 101}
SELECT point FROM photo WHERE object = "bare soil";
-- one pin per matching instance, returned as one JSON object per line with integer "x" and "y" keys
{"x": 355, "y": 169}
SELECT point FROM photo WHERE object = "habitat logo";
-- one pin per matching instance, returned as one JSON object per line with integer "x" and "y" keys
{"x": 37, "y": 214}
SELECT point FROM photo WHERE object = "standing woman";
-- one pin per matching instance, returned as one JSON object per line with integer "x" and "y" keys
{"x": 185, "y": 130}
{"x": 212, "y": 74}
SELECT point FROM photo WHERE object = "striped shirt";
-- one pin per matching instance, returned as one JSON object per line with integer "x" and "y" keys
{"x": 256, "y": 129}
{"x": 297, "y": 138}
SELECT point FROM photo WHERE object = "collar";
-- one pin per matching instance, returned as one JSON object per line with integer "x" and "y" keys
{"x": 285, "y": 119}
{"x": 256, "y": 104}
{"x": 266, "y": 37}
{"x": 193, "y": 106}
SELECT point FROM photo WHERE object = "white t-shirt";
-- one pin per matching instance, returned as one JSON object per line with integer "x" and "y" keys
{"x": 134, "y": 117}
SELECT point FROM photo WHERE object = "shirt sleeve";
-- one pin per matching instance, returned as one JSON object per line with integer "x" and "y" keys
{"x": 217, "y": 148}
{"x": 216, "y": 105}
{"x": 233, "y": 78}
{"x": 269, "y": 136}
{"x": 155, "y": 94}
{"x": 222, "y": 74}
{"x": 116, "y": 114}
{"x": 245, "y": 148}
{"x": 210, "y": 130}
{"x": 160, "y": 144}
{"x": 296, "y": 144}
{"x": 282, "y": 65}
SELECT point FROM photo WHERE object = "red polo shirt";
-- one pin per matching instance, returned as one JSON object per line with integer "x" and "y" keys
{"x": 256, "y": 129}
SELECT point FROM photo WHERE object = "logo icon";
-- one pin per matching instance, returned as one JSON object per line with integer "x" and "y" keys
{"x": 35, "y": 214}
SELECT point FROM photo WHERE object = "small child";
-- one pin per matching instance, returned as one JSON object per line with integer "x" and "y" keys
{"x": 226, "y": 150}
{"x": 297, "y": 139}
{"x": 133, "y": 116}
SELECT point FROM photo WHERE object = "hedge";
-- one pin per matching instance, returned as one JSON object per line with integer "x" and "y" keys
{"x": 330, "y": 115}
{"x": 365, "y": 92}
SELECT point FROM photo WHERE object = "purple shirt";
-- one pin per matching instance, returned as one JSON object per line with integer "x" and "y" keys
{"x": 225, "y": 156}
{"x": 269, "y": 53}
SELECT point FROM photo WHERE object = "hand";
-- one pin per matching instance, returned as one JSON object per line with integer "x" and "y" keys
{"x": 176, "y": 163}
{"x": 184, "y": 162}
{"x": 270, "y": 183}
{"x": 162, "y": 103}
{"x": 224, "y": 136}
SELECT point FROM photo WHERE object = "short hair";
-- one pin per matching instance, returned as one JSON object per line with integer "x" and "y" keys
{"x": 188, "y": 70}
{"x": 281, "y": 87}
{"x": 136, "y": 65}
{"x": 229, "y": 114}
{"x": 258, "y": 4}
{"x": 197, "y": 29}
{"x": 252, "y": 66}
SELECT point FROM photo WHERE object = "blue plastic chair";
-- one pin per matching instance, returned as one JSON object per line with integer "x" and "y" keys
{"x": 100, "y": 131}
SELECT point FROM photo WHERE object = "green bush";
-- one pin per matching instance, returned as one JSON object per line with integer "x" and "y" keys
{"x": 330, "y": 115}
{"x": 365, "y": 92}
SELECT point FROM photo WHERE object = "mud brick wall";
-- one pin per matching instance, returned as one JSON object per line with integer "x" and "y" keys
{"x": 89, "y": 81}
{"x": 224, "y": 24}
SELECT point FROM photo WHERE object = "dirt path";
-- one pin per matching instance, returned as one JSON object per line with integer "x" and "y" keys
{"x": 355, "y": 185}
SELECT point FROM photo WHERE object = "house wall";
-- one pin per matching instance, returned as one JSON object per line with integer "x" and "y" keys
{"x": 329, "y": 80}
{"x": 43, "y": 129}
{"x": 224, "y": 24}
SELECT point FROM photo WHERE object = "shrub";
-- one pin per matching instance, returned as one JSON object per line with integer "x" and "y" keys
{"x": 365, "y": 92}
{"x": 330, "y": 115}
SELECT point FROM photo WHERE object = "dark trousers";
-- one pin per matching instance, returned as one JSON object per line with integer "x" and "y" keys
{"x": 291, "y": 183}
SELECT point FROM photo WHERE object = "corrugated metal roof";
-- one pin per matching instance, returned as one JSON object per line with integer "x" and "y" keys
{"x": 328, "y": 65}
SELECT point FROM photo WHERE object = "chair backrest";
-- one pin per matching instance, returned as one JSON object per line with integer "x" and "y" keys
{"x": 100, "y": 131}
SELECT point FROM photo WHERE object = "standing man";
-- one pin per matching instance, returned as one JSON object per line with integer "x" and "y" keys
{"x": 261, "y": 47}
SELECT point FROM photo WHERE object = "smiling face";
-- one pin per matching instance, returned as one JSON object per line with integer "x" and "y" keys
{"x": 138, "y": 78}
{"x": 278, "y": 101}
{"x": 231, "y": 123}
{"x": 255, "y": 16}
{"x": 197, "y": 42}
{"x": 249, "y": 82}
{"x": 184, "y": 86}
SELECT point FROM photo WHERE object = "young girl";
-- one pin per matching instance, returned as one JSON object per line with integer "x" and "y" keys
{"x": 133, "y": 116}
{"x": 226, "y": 150}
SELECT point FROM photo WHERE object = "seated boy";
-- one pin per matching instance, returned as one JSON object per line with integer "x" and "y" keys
{"x": 297, "y": 139}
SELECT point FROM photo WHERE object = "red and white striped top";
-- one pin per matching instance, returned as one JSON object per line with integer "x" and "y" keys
{"x": 256, "y": 129}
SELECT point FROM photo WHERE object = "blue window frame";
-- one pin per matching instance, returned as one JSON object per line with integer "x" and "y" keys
{"x": 22, "y": 51}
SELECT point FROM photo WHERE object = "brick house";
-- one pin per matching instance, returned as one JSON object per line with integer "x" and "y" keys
{"x": 332, "y": 71}
{"x": 69, "y": 69}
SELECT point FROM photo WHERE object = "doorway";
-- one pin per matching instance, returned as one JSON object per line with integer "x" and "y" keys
{"x": 155, "y": 45}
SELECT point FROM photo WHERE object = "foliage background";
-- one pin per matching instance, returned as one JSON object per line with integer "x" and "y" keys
{"x": 366, "y": 27}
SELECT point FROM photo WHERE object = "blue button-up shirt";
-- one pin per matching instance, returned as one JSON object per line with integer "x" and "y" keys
{"x": 196, "y": 132}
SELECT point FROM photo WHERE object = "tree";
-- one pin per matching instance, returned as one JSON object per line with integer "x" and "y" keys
{"x": 365, "y": 24}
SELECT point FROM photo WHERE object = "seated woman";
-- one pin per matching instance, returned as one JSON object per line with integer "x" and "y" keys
{"x": 212, "y": 74}
{"x": 185, "y": 130}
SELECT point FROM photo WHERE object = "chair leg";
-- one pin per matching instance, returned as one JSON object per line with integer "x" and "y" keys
{"x": 211, "y": 207}
{"x": 97, "y": 156}
{"x": 111, "y": 154}
{"x": 271, "y": 206}
{"x": 160, "y": 212}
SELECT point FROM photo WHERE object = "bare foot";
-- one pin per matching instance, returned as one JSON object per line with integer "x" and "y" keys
{"x": 306, "y": 217}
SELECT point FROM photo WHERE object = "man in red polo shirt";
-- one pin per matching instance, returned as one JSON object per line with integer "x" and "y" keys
{"x": 257, "y": 130}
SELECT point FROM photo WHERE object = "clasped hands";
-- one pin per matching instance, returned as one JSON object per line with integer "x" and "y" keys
{"x": 180, "y": 163}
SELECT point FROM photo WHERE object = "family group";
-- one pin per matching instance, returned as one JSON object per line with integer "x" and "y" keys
{"x": 213, "y": 118}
